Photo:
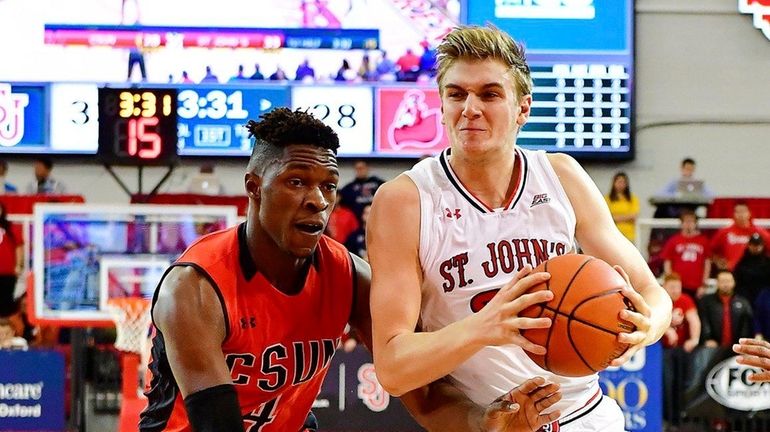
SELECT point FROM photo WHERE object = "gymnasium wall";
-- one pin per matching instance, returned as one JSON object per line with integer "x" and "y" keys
{"x": 702, "y": 90}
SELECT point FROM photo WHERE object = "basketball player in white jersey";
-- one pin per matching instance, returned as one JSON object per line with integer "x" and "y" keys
{"x": 446, "y": 235}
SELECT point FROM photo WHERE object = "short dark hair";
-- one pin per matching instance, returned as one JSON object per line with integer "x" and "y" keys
{"x": 282, "y": 127}
{"x": 48, "y": 163}
{"x": 687, "y": 161}
{"x": 687, "y": 212}
{"x": 720, "y": 271}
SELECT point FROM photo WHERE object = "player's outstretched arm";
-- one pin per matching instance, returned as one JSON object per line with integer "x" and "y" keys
{"x": 598, "y": 236}
{"x": 190, "y": 317}
{"x": 440, "y": 406}
{"x": 405, "y": 359}
{"x": 754, "y": 352}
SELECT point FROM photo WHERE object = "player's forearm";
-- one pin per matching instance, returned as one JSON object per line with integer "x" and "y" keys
{"x": 412, "y": 360}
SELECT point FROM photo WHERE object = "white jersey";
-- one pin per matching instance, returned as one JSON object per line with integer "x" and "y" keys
{"x": 468, "y": 251}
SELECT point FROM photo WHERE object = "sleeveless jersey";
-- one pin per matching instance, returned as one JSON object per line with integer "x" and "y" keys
{"x": 278, "y": 347}
{"x": 469, "y": 251}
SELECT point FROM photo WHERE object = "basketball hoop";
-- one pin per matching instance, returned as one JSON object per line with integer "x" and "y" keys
{"x": 132, "y": 321}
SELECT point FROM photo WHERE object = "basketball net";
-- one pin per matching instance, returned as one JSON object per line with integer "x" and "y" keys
{"x": 132, "y": 321}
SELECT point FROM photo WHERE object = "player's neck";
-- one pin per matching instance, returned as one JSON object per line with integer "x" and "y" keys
{"x": 491, "y": 176}
{"x": 284, "y": 271}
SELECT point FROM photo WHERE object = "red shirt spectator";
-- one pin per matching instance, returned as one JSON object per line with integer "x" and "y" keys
{"x": 408, "y": 61}
{"x": 729, "y": 243}
{"x": 688, "y": 254}
{"x": 685, "y": 323}
{"x": 342, "y": 222}
{"x": 10, "y": 248}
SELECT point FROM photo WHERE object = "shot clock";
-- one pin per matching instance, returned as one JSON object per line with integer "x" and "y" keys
{"x": 137, "y": 126}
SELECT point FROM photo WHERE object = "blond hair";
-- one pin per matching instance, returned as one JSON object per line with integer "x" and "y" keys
{"x": 481, "y": 43}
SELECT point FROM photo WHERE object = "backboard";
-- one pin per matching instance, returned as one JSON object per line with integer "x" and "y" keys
{"x": 83, "y": 254}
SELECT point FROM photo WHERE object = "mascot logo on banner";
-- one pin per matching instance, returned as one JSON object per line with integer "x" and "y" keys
{"x": 11, "y": 116}
{"x": 760, "y": 9}
{"x": 728, "y": 384}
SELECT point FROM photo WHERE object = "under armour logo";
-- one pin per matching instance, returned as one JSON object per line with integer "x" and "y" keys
{"x": 248, "y": 322}
{"x": 456, "y": 214}
{"x": 540, "y": 199}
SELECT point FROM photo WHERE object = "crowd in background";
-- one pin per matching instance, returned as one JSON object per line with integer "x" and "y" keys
{"x": 410, "y": 66}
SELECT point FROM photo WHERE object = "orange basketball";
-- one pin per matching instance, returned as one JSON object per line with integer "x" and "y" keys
{"x": 585, "y": 317}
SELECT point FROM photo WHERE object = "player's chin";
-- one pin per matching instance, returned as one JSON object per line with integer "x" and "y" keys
{"x": 303, "y": 248}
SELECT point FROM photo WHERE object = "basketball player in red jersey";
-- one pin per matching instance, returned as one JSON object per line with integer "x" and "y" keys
{"x": 247, "y": 319}
{"x": 472, "y": 222}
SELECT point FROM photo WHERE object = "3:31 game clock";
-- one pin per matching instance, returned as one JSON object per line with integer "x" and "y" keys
{"x": 137, "y": 126}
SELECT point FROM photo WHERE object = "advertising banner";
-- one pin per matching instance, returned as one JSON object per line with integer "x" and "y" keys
{"x": 31, "y": 391}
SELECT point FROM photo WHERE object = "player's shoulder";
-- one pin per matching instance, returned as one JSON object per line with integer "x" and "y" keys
{"x": 182, "y": 291}
{"x": 400, "y": 191}
{"x": 562, "y": 162}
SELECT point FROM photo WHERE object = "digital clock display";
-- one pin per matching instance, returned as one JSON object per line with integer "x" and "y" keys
{"x": 137, "y": 126}
{"x": 212, "y": 118}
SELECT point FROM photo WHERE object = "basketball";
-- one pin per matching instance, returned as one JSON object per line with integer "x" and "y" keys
{"x": 585, "y": 317}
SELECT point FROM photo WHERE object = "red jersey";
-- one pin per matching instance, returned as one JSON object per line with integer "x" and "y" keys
{"x": 278, "y": 347}
{"x": 688, "y": 258}
{"x": 682, "y": 305}
{"x": 730, "y": 242}
{"x": 8, "y": 244}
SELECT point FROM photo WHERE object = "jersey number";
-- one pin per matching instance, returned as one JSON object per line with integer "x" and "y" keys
{"x": 261, "y": 416}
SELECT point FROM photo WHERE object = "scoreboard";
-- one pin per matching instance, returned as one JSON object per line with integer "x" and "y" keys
{"x": 583, "y": 109}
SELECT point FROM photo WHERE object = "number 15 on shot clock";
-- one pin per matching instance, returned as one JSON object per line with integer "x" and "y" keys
{"x": 137, "y": 126}
{"x": 347, "y": 110}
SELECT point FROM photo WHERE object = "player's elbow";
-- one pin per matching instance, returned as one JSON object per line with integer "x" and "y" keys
{"x": 393, "y": 388}
{"x": 389, "y": 380}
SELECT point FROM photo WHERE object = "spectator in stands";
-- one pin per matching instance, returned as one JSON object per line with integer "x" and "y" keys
{"x": 345, "y": 73}
{"x": 186, "y": 78}
{"x": 5, "y": 187}
{"x": 238, "y": 77}
{"x": 685, "y": 326}
{"x": 366, "y": 72}
{"x": 729, "y": 243}
{"x": 22, "y": 327}
{"x": 210, "y": 77}
{"x": 44, "y": 183}
{"x": 686, "y": 173}
{"x": 8, "y": 338}
{"x": 623, "y": 205}
{"x": 408, "y": 66}
{"x": 359, "y": 193}
{"x": 428, "y": 59}
{"x": 279, "y": 74}
{"x": 752, "y": 281}
{"x": 342, "y": 221}
{"x": 356, "y": 242}
{"x": 752, "y": 273}
{"x": 11, "y": 262}
{"x": 681, "y": 338}
{"x": 655, "y": 259}
{"x": 725, "y": 317}
{"x": 688, "y": 254}
{"x": 386, "y": 69}
{"x": 257, "y": 75}
{"x": 206, "y": 182}
{"x": 305, "y": 71}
